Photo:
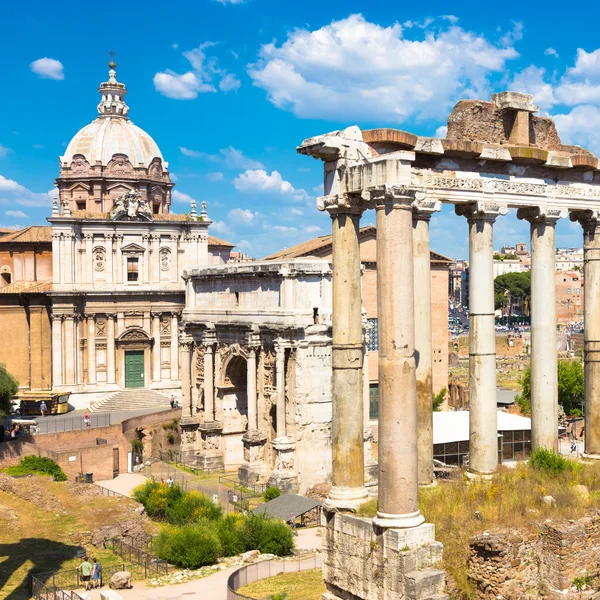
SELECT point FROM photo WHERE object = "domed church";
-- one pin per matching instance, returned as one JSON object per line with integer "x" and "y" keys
{"x": 118, "y": 254}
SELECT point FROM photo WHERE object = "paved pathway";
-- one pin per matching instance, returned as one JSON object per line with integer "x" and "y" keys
{"x": 124, "y": 483}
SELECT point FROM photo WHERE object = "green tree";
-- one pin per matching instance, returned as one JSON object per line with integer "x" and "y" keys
{"x": 570, "y": 387}
{"x": 9, "y": 386}
{"x": 438, "y": 399}
{"x": 517, "y": 284}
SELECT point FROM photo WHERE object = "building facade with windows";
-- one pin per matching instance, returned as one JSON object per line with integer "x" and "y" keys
{"x": 569, "y": 297}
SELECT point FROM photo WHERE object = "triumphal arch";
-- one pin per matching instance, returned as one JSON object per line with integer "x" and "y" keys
{"x": 497, "y": 155}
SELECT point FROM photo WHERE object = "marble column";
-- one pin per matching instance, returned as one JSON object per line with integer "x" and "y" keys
{"x": 174, "y": 347}
{"x": 544, "y": 367}
{"x": 156, "y": 349}
{"x": 251, "y": 390}
{"x": 118, "y": 261}
{"x": 108, "y": 237}
{"x": 57, "y": 351}
{"x": 68, "y": 257}
{"x": 89, "y": 259}
{"x": 590, "y": 221}
{"x": 483, "y": 418}
{"x": 70, "y": 349}
{"x": 57, "y": 267}
{"x": 175, "y": 274}
{"x": 155, "y": 258}
{"x": 186, "y": 376}
{"x": 398, "y": 503}
{"x": 348, "y": 476}
{"x": 209, "y": 375}
{"x": 110, "y": 349}
{"x": 280, "y": 389}
{"x": 422, "y": 212}
{"x": 145, "y": 266}
{"x": 91, "y": 347}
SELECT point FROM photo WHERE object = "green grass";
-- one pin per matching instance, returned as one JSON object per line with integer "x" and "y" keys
{"x": 307, "y": 585}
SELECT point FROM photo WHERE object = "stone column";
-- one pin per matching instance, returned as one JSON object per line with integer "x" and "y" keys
{"x": 423, "y": 336}
{"x": 91, "y": 344}
{"x": 57, "y": 351}
{"x": 156, "y": 349}
{"x": 398, "y": 504}
{"x": 174, "y": 348}
{"x": 209, "y": 342}
{"x": 89, "y": 258}
{"x": 69, "y": 349}
{"x": 57, "y": 268}
{"x": 155, "y": 258}
{"x": 251, "y": 390}
{"x": 544, "y": 376}
{"x": 68, "y": 257}
{"x": 110, "y": 349}
{"x": 280, "y": 389}
{"x": 145, "y": 266}
{"x": 118, "y": 258}
{"x": 186, "y": 381}
{"x": 108, "y": 237}
{"x": 175, "y": 274}
{"x": 483, "y": 418}
{"x": 348, "y": 476}
{"x": 590, "y": 221}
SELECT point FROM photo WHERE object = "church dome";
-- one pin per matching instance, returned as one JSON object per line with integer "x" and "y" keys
{"x": 112, "y": 132}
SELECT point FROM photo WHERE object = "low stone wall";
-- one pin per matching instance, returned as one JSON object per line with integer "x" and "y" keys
{"x": 362, "y": 562}
{"x": 513, "y": 565}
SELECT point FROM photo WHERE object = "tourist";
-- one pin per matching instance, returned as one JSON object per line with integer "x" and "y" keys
{"x": 43, "y": 408}
{"x": 97, "y": 574}
{"x": 169, "y": 481}
{"x": 172, "y": 401}
{"x": 86, "y": 420}
{"x": 86, "y": 571}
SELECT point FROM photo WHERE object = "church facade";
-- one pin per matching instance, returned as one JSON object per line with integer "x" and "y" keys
{"x": 118, "y": 255}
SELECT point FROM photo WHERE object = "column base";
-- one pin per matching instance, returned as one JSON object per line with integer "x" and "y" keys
{"x": 346, "y": 499}
{"x": 210, "y": 457}
{"x": 284, "y": 476}
{"x": 254, "y": 470}
{"x": 474, "y": 476}
{"x": 188, "y": 450}
{"x": 392, "y": 521}
{"x": 590, "y": 457}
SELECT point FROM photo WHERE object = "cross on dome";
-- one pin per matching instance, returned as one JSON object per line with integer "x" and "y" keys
{"x": 113, "y": 93}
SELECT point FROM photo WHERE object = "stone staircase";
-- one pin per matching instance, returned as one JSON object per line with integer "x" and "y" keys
{"x": 132, "y": 399}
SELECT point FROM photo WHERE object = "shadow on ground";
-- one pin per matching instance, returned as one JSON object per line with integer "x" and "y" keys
{"x": 42, "y": 554}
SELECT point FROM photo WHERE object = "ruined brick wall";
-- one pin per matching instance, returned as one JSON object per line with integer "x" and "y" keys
{"x": 514, "y": 565}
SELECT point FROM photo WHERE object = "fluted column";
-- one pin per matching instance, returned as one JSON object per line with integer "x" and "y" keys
{"x": 186, "y": 377}
{"x": 156, "y": 350}
{"x": 544, "y": 376}
{"x": 280, "y": 389}
{"x": 57, "y": 351}
{"x": 483, "y": 417}
{"x": 209, "y": 375}
{"x": 423, "y": 336}
{"x": 174, "y": 348}
{"x": 110, "y": 349}
{"x": 91, "y": 344}
{"x": 398, "y": 503}
{"x": 590, "y": 221}
{"x": 348, "y": 477}
{"x": 251, "y": 390}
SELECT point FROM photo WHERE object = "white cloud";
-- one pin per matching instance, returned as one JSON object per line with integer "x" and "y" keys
{"x": 244, "y": 245}
{"x": 242, "y": 216}
{"x": 226, "y": 2}
{"x": 532, "y": 80}
{"x": 551, "y": 52}
{"x": 312, "y": 228}
{"x": 587, "y": 64}
{"x": 4, "y": 151}
{"x": 258, "y": 180}
{"x": 12, "y": 192}
{"x": 235, "y": 159}
{"x": 181, "y": 197}
{"x": 220, "y": 227}
{"x": 441, "y": 131}
{"x": 280, "y": 228}
{"x": 216, "y": 176}
{"x": 199, "y": 80}
{"x": 581, "y": 126}
{"x": 230, "y": 83}
{"x": 354, "y": 69}
{"x": 198, "y": 154}
{"x": 48, "y": 68}
{"x": 16, "y": 213}
{"x": 297, "y": 212}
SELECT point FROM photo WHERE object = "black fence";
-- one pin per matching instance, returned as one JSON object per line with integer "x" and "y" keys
{"x": 41, "y": 591}
{"x": 153, "y": 566}
{"x": 58, "y": 423}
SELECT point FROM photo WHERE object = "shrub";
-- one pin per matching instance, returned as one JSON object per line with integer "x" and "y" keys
{"x": 271, "y": 536}
{"x": 171, "y": 437}
{"x": 228, "y": 530}
{"x": 190, "y": 546}
{"x": 548, "y": 461}
{"x": 137, "y": 446}
{"x": 142, "y": 492}
{"x": 271, "y": 493}
{"x": 438, "y": 399}
{"x": 38, "y": 465}
{"x": 9, "y": 386}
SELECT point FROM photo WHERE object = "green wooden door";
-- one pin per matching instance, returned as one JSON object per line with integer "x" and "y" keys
{"x": 134, "y": 369}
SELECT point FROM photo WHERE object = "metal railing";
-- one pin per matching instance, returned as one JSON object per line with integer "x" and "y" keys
{"x": 264, "y": 570}
{"x": 153, "y": 566}
{"x": 40, "y": 591}
{"x": 108, "y": 492}
{"x": 60, "y": 424}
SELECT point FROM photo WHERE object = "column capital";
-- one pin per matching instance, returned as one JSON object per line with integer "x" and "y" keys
{"x": 89, "y": 316}
{"x": 155, "y": 237}
{"x": 186, "y": 344}
{"x": 57, "y": 317}
{"x": 209, "y": 339}
{"x": 399, "y": 196}
{"x": 481, "y": 211}
{"x": 279, "y": 351}
{"x": 118, "y": 237}
{"x": 423, "y": 209}
{"x": 111, "y": 315}
{"x": 88, "y": 236}
{"x": 541, "y": 214}
{"x": 109, "y": 236}
{"x": 588, "y": 219}
{"x": 336, "y": 204}
{"x": 156, "y": 315}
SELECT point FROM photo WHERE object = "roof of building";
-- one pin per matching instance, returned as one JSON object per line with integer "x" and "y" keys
{"x": 453, "y": 426}
{"x": 286, "y": 505}
{"x": 86, "y": 214}
{"x": 35, "y": 234}
{"x": 215, "y": 241}
{"x": 27, "y": 287}
{"x": 324, "y": 241}
{"x": 5, "y": 230}
{"x": 112, "y": 132}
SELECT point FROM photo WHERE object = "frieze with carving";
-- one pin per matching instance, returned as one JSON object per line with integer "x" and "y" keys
{"x": 200, "y": 366}
{"x": 100, "y": 328}
{"x": 131, "y": 207}
{"x": 268, "y": 371}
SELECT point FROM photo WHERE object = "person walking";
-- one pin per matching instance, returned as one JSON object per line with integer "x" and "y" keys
{"x": 96, "y": 574}
{"x": 86, "y": 571}
{"x": 43, "y": 408}
{"x": 86, "y": 420}
{"x": 172, "y": 401}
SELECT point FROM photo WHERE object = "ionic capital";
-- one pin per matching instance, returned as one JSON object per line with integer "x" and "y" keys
{"x": 341, "y": 204}
{"x": 541, "y": 214}
{"x": 481, "y": 211}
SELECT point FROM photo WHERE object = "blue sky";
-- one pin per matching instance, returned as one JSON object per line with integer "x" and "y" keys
{"x": 229, "y": 88}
